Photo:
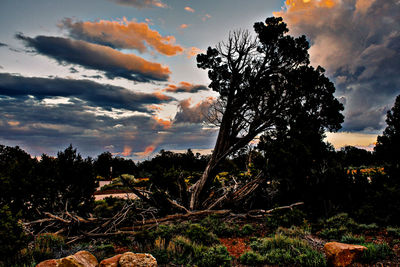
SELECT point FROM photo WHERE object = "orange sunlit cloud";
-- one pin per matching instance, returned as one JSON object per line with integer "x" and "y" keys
{"x": 206, "y": 17}
{"x": 13, "y": 123}
{"x": 193, "y": 51}
{"x": 148, "y": 150}
{"x": 184, "y": 87}
{"x": 127, "y": 151}
{"x": 166, "y": 124}
{"x": 184, "y": 26}
{"x": 189, "y": 9}
{"x": 305, "y": 6}
{"x": 154, "y": 107}
{"x": 161, "y": 96}
{"x": 123, "y": 34}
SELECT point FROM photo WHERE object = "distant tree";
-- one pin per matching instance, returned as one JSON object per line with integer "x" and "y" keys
{"x": 262, "y": 84}
{"x": 388, "y": 144}
{"x": 103, "y": 164}
{"x": 76, "y": 180}
{"x": 355, "y": 157}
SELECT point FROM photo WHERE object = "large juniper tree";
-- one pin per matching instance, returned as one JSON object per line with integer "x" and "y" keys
{"x": 263, "y": 83}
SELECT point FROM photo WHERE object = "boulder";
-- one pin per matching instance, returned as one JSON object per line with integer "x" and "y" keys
{"x": 86, "y": 259}
{"x": 340, "y": 254}
{"x": 48, "y": 263}
{"x": 110, "y": 262}
{"x": 129, "y": 259}
{"x": 79, "y": 259}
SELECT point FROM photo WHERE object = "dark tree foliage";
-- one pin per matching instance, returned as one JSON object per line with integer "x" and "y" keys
{"x": 51, "y": 184}
{"x": 263, "y": 85}
{"x": 388, "y": 144}
{"x": 109, "y": 167}
{"x": 355, "y": 157}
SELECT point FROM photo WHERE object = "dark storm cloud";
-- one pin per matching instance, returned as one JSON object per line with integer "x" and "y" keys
{"x": 358, "y": 43}
{"x": 45, "y": 128}
{"x": 193, "y": 114}
{"x": 104, "y": 96}
{"x": 3, "y": 44}
{"x": 93, "y": 56}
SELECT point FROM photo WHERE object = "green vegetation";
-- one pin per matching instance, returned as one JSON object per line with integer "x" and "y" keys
{"x": 283, "y": 251}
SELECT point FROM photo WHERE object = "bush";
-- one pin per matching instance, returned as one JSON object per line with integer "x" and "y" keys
{"x": 199, "y": 234}
{"x": 218, "y": 227}
{"x": 286, "y": 218}
{"x": 215, "y": 256}
{"x": 375, "y": 252}
{"x": 12, "y": 237}
{"x": 393, "y": 231}
{"x": 247, "y": 229}
{"x": 333, "y": 233}
{"x": 337, "y": 226}
{"x": 282, "y": 250}
{"x": 251, "y": 258}
{"x": 103, "y": 251}
{"x": 293, "y": 231}
{"x": 46, "y": 246}
{"x": 367, "y": 227}
{"x": 352, "y": 239}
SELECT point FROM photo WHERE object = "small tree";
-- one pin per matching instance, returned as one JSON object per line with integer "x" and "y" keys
{"x": 262, "y": 84}
{"x": 388, "y": 143}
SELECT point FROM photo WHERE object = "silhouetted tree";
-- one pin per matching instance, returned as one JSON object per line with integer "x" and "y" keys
{"x": 388, "y": 144}
{"x": 262, "y": 84}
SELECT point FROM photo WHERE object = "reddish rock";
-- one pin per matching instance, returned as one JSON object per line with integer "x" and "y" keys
{"x": 110, "y": 262}
{"x": 48, "y": 263}
{"x": 86, "y": 259}
{"x": 339, "y": 254}
{"x": 130, "y": 259}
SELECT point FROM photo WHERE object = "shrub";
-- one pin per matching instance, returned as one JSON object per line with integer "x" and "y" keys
{"x": 218, "y": 227}
{"x": 367, "y": 227}
{"x": 12, "y": 237}
{"x": 333, "y": 233}
{"x": 337, "y": 226}
{"x": 247, "y": 229}
{"x": 215, "y": 256}
{"x": 282, "y": 250}
{"x": 251, "y": 258}
{"x": 46, "y": 246}
{"x": 352, "y": 239}
{"x": 293, "y": 231}
{"x": 286, "y": 218}
{"x": 375, "y": 252}
{"x": 393, "y": 231}
{"x": 103, "y": 251}
{"x": 199, "y": 234}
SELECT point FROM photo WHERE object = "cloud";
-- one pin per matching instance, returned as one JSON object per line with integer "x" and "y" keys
{"x": 193, "y": 51}
{"x": 3, "y": 44}
{"x": 193, "y": 114}
{"x": 189, "y": 9}
{"x": 99, "y": 57}
{"x": 141, "y": 3}
{"x": 184, "y": 26}
{"x": 357, "y": 42}
{"x": 206, "y": 17}
{"x": 46, "y": 115}
{"x": 185, "y": 87}
{"x": 94, "y": 94}
{"x": 122, "y": 34}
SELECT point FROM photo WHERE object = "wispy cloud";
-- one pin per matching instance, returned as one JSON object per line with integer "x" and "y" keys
{"x": 141, "y": 3}
{"x": 98, "y": 57}
{"x": 189, "y": 9}
{"x": 193, "y": 113}
{"x": 185, "y": 87}
{"x": 122, "y": 34}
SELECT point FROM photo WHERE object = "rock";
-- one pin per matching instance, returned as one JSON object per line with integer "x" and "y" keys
{"x": 48, "y": 263}
{"x": 110, "y": 262}
{"x": 86, "y": 259}
{"x": 339, "y": 254}
{"x": 79, "y": 259}
{"x": 69, "y": 261}
{"x": 129, "y": 259}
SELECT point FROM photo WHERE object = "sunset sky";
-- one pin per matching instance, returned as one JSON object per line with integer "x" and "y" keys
{"x": 121, "y": 75}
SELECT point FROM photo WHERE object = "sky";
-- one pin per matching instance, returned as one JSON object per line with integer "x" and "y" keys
{"x": 121, "y": 75}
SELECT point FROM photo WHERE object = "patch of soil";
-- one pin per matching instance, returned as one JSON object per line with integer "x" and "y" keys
{"x": 236, "y": 246}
